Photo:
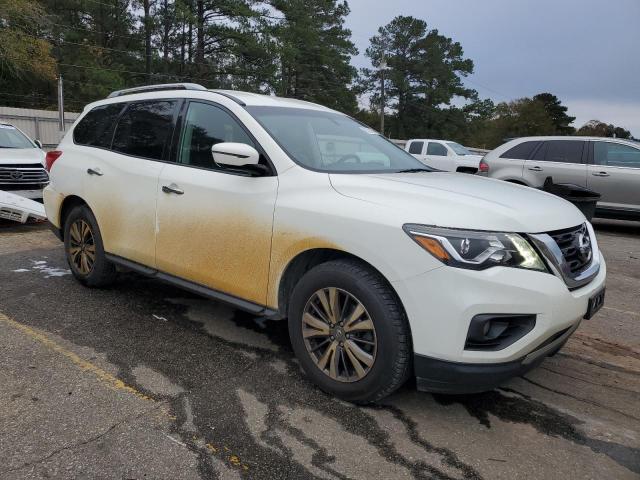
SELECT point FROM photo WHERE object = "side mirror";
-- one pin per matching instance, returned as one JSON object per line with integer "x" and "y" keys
{"x": 235, "y": 154}
{"x": 38, "y": 143}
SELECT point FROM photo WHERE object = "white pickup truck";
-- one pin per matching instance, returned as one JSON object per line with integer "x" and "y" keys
{"x": 443, "y": 155}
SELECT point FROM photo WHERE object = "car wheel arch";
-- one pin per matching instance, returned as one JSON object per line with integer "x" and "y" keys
{"x": 305, "y": 261}
{"x": 69, "y": 203}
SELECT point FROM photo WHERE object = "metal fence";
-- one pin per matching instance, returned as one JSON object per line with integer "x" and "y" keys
{"x": 38, "y": 124}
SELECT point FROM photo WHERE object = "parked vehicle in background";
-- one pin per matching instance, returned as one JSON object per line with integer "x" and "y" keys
{"x": 383, "y": 267}
{"x": 22, "y": 169}
{"x": 19, "y": 209}
{"x": 608, "y": 166}
{"x": 443, "y": 155}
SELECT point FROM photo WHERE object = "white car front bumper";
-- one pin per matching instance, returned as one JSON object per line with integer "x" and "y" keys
{"x": 441, "y": 304}
{"x": 30, "y": 194}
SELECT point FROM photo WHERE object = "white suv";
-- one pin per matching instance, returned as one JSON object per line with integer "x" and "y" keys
{"x": 383, "y": 268}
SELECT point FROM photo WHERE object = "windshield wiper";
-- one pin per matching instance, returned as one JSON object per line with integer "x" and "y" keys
{"x": 414, "y": 170}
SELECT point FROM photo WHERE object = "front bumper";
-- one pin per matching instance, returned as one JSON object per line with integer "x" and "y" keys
{"x": 32, "y": 194}
{"x": 441, "y": 303}
{"x": 439, "y": 376}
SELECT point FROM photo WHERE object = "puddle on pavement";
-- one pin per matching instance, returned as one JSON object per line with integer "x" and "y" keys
{"x": 42, "y": 266}
{"x": 511, "y": 406}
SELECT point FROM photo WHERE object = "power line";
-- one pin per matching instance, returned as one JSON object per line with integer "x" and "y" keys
{"x": 473, "y": 82}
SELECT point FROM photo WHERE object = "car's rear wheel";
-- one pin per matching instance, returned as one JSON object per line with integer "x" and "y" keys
{"x": 85, "y": 251}
{"x": 349, "y": 331}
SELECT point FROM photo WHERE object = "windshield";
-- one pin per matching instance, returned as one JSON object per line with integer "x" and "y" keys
{"x": 331, "y": 142}
{"x": 11, "y": 137}
{"x": 459, "y": 149}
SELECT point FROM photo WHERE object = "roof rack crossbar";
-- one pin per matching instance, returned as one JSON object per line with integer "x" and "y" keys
{"x": 156, "y": 88}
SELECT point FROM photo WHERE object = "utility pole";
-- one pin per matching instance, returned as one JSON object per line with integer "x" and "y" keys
{"x": 61, "y": 125}
{"x": 383, "y": 65}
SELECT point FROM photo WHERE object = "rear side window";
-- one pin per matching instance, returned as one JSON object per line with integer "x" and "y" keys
{"x": 96, "y": 127}
{"x": 144, "y": 129}
{"x": 416, "y": 148}
{"x": 561, "y": 151}
{"x": 436, "y": 149}
{"x": 522, "y": 151}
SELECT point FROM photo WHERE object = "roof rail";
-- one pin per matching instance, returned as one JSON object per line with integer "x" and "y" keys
{"x": 230, "y": 97}
{"x": 156, "y": 88}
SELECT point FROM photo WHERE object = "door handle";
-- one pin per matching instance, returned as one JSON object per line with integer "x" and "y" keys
{"x": 95, "y": 171}
{"x": 535, "y": 169}
{"x": 600, "y": 174}
{"x": 173, "y": 188}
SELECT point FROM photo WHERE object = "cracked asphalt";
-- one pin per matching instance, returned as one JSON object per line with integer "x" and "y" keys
{"x": 145, "y": 381}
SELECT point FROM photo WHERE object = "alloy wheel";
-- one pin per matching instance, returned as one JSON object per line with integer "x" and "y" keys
{"x": 82, "y": 247}
{"x": 339, "y": 334}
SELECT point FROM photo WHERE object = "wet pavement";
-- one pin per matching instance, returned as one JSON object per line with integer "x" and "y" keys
{"x": 143, "y": 380}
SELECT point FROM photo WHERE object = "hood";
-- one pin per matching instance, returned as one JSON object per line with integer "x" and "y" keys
{"x": 10, "y": 156}
{"x": 461, "y": 201}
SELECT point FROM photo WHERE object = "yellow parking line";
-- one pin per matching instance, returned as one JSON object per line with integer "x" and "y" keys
{"x": 103, "y": 376}
{"x": 111, "y": 381}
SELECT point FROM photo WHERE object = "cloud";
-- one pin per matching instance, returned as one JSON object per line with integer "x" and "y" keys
{"x": 621, "y": 114}
{"x": 583, "y": 51}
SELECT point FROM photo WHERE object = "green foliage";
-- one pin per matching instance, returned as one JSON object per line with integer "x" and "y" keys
{"x": 520, "y": 118}
{"x": 596, "y": 128}
{"x": 23, "y": 55}
{"x": 314, "y": 50}
{"x": 423, "y": 74}
{"x": 294, "y": 48}
{"x": 557, "y": 112}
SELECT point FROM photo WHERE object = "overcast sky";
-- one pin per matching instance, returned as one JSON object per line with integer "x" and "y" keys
{"x": 587, "y": 52}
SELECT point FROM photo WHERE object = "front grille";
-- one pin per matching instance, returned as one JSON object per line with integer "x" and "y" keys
{"x": 575, "y": 245}
{"x": 10, "y": 187}
{"x": 22, "y": 175}
{"x": 7, "y": 214}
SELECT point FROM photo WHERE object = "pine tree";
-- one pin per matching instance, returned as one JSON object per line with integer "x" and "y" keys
{"x": 314, "y": 52}
{"x": 423, "y": 73}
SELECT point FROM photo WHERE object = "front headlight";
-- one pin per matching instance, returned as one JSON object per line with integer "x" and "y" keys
{"x": 476, "y": 250}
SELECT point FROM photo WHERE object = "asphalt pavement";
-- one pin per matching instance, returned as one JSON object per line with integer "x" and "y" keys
{"x": 146, "y": 381}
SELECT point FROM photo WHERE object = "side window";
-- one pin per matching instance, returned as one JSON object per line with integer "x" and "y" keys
{"x": 522, "y": 151}
{"x": 416, "y": 148}
{"x": 561, "y": 151}
{"x": 96, "y": 127}
{"x": 206, "y": 125}
{"x": 435, "y": 148}
{"x": 616, "y": 155}
{"x": 144, "y": 129}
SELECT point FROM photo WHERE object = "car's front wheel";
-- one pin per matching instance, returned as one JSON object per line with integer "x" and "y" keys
{"x": 349, "y": 331}
{"x": 84, "y": 249}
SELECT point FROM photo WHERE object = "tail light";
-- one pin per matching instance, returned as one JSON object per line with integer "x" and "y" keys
{"x": 484, "y": 166}
{"x": 51, "y": 158}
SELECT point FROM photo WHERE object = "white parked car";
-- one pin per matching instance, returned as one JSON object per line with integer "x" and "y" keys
{"x": 383, "y": 267}
{"x": 443, "y": 155}
{"x": 22, "y": 169}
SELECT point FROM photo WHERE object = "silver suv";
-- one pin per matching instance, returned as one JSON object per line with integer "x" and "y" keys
{"x": 608, "y": 166}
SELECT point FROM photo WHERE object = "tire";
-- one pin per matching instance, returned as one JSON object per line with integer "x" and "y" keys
{"x": 98, "y": 272}
{"x": 390, "y": 358}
